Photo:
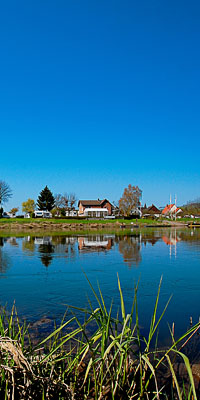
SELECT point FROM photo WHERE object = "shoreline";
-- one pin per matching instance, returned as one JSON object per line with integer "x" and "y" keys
{"x": 47, "y": 225}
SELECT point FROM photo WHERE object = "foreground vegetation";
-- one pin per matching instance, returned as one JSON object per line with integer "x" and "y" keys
{"x": 104, "y": 357}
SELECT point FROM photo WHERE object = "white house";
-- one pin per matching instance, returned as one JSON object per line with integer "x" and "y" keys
{"x": 136, "y": 212}
{"x": 71, "y": 213}
{"x": 95, "y": 212}
{"x": 8, "y": 215}
{"x": 171, "y": 210}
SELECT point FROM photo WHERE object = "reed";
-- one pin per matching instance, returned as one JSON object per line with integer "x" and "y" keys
{"x": 115, "y": 361}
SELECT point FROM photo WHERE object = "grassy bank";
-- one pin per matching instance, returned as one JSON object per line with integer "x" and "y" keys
{"x": 76, "y": 221}
{"x": 106, "y": 357}
{"x": 79, "y": 225}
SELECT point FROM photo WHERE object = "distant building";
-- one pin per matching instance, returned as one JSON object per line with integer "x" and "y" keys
{"x": 8, "y": 215}
{"x": 94, "y": 208}
{"x": 71, "y": 213}
{"x": 42, "y": 214}
{"x": 151, "y": 210}
{"x": 171, "y": 210}
{"x": 136, "y": 212}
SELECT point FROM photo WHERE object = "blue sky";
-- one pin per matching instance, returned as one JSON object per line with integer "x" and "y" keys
{"x": 95, "y": 95}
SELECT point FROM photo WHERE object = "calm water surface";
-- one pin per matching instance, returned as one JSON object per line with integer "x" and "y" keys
{"x": 44, "y": 273}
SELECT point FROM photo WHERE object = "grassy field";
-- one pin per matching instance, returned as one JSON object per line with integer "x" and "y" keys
{"x": 142, "y": 221}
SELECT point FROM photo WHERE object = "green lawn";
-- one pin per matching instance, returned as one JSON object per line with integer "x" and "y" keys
{"x": 75, "y": 221}
{"x": 142, "y": 221}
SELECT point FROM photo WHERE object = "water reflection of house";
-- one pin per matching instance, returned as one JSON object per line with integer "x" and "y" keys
{"x": 94, "y": 243}
{"x": 171, "y": 240}
{"x": 43, "y": 240}
{"x": 12, "y": 241}
{"x": 150, "y": 240}
{"x": 70, "y": 239}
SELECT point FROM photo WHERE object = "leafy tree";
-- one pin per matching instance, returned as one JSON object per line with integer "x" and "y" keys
{"x": 28, "y": 206}
{"x": 192, "y": 207}
{"x": 14, "y": 210}
{"x": 5, "y": 192}
{"x": 45, "y": 200}
{"x": 54, "y": 212}
{"x": 130, "y": 199}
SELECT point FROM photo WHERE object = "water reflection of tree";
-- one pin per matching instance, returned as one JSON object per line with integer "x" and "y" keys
{"x": 65, "y": 245}
{"x": 28, "y": 244}
{"x": 4, "y": 258}
{"x": 191, "y": 236}
{"x": 4, "y": 262}
{"x": 129, "y": 247}
{"x": 13, "y": 241}
{"x": 46, "y": 251}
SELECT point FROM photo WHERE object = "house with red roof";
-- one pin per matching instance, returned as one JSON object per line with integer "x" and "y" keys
{"x": 171, "y": 210}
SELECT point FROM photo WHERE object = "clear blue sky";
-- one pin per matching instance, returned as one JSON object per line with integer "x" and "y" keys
{"x": 95, "y": 95}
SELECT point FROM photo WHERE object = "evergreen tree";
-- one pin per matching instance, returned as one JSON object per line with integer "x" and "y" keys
{"x": 45, "y": 200}
{"x": 1, "y": 212}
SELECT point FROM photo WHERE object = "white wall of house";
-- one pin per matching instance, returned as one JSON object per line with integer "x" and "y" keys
{"x": 8, "y": 215}
{"x": 71, "y": 213}
{"x": 95, "y": 212}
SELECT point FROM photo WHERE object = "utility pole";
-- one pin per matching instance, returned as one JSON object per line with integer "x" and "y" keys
{"x": 170, "y": 202}
{"x": 175, "y": 207}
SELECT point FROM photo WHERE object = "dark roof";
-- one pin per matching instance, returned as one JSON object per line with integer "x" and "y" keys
{"x": 92, "y": 202}
{"x": 153, "y": 209}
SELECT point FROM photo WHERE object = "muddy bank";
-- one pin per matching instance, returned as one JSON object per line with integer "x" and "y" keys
{"x": 52, "y": 226}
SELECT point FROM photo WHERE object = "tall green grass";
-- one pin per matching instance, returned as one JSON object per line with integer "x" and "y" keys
{"x": 115, "y": 361}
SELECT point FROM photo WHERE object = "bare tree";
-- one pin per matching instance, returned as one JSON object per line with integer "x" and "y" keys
{"x": 5, "y": 192}
{"x": 130, "y": 199}
{"x": 72, "y": 200}
{"x": 59, "y": 201}
{"x": 66, "y": 200}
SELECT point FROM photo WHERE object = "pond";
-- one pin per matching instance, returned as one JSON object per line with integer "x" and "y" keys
{"x": 44, "y": 274}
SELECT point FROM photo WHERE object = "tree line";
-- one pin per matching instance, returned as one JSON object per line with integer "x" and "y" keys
{"x": 58, "y": 204}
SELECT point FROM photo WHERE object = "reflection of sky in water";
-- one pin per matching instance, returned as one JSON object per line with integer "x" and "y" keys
{"x": 43, "y": 273}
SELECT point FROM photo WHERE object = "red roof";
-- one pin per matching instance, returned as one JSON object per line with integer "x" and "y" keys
{"x": 168, "y": 208}
{"x": 169, "y": 241}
